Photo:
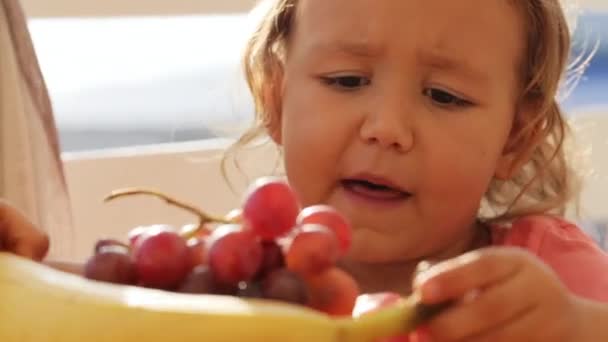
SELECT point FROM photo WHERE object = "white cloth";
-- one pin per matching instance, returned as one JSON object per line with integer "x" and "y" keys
{"x": 31, "y": 171}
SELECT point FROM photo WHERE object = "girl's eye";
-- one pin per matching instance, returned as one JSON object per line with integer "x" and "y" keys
{"x": 445, "y": 99}
{"x": 347, "y": 82}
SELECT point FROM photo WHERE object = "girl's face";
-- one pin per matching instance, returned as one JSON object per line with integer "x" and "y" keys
{"x": 397, "y": 113}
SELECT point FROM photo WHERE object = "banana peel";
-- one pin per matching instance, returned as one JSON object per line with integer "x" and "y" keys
{"x": 39, "y": 303}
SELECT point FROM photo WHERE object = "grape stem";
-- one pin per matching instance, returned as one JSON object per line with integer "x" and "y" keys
{"x": 203, "y": 217}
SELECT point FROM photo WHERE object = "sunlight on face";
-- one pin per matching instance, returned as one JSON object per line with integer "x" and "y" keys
{"x": 397, "y": 112}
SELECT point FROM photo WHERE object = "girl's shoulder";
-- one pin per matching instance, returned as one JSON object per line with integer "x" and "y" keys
{"x": 542, "y": 234}
{"x": 565, "y": 247}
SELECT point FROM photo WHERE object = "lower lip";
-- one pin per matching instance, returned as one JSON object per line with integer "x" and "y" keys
{"x": 371, "y": 200}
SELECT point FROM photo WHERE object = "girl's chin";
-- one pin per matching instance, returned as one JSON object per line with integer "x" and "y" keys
{"x": 374, "y": 246}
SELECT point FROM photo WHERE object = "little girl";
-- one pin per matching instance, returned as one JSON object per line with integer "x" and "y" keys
{"x": 433, "y": 126}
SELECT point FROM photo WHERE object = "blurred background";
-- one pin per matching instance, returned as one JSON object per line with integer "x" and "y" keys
{"x": 140, "y": 86}
{"x": 124, "y": 73}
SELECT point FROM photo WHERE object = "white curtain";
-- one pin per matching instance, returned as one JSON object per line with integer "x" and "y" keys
{"x": 31, "y": 172}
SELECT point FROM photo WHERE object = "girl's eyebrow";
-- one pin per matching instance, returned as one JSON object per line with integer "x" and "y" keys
{"x": 434, "y": 60}
{"x": 462, "y": 66}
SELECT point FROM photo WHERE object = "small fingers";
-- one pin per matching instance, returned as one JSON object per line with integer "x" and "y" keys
{"x": 20, "y": 236}
{"x": 491, "y": 309}
{"x": 455, "y": 278}
{"x": 34, "y": 247}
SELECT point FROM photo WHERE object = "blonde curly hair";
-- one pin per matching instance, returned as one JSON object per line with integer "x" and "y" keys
{"x": 542, "y": 180}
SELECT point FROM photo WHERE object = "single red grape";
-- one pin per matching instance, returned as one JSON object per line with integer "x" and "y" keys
{"x": 111, "y": 264}
{"x": 249, "y": 290}
{"x": 234, "y": 255}
{"x": 100, "y": 244}
{"x": 286, "y": 286}
{"x": 271, "y": 208}
{"x": 197, "y": 250}
{"x": 312, "y": 250}
{"x": 162, "y": 260}
{"x": 333, "y": 291}
{"x": 202, "y": 281}
{"x": 136, "y": 233}
{"x": 329, "y": 217}
{"x": 272, "y": 258}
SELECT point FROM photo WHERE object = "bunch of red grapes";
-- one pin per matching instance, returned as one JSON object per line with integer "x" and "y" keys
{"x": 270, "y": 249}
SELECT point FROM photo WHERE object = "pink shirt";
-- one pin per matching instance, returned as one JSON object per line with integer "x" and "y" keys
{"x": 573, "y": 255}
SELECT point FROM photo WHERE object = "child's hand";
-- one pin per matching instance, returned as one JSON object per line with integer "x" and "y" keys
{"x": 501, "y": 294}
{"x": 18, "y": 235}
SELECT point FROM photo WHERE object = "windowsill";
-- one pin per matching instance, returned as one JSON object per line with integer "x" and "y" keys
{"x": 106, "y": 8}
{"x": 95, "y": 8}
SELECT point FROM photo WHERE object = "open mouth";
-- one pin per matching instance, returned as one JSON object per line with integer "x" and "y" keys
{"x": 374, "y": 189}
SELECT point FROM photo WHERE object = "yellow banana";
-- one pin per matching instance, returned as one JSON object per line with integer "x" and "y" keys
{"x": 41, "y": 304}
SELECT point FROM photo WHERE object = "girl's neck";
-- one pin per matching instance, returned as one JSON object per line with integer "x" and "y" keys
{"x": 397, "y": 276}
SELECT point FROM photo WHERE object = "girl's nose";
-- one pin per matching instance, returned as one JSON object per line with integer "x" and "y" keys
{"x": 389, "y": 127}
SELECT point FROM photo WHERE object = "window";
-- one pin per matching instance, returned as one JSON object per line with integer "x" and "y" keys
{"x": 123, "y": 73}
{"x": 121, "y": 80}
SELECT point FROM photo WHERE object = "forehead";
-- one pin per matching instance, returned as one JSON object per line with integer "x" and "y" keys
{"x": 488, "y": 33}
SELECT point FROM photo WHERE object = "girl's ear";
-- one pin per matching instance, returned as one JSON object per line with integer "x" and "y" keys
{"x": 272, "y": 94}
{"x": 522, "y": 142}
